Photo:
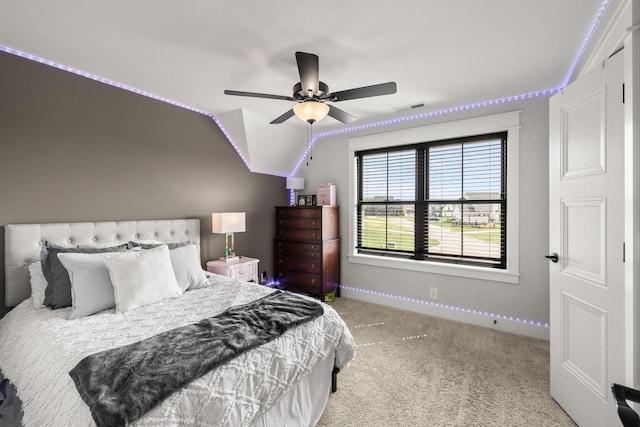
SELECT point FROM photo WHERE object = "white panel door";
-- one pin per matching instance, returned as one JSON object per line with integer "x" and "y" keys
{"x": 586, "y": 131}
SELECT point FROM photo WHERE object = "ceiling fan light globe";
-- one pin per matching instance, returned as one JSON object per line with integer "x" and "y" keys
{"x": 311, "y": 111}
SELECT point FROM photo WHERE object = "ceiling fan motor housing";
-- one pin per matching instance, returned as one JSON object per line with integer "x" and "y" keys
{"x": 320, "y": 94}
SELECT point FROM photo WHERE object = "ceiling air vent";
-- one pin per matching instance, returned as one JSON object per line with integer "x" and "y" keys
{"x": 410, "y": 106}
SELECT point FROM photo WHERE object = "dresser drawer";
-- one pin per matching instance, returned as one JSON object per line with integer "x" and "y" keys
{"x": 299, "y": 263}
{"x": 314, "y": 291}
{"x": 289, "y": 247}
{"x": 306, "y": 223}
{"x": 299, "y": 212}
{"x": 299, "y": 234}
{"x": 246, "y": 272}
{"x": 296, "y": 281}
{"x": 309, "y": 250}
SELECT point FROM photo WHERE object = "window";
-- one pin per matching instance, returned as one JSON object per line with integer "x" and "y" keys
{"x": 439, "y": 201}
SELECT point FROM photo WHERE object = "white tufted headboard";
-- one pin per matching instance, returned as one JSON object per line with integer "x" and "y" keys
{"x": 23, "y": 242}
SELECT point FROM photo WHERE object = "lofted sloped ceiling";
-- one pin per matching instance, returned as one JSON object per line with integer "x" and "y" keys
{"x": 441, "y": 54}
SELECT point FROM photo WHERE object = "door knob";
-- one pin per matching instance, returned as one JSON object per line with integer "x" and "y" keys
{"x": 553, "y": 257}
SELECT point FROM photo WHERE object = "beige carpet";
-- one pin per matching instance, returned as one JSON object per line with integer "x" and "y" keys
{"x": 417, "y": 370}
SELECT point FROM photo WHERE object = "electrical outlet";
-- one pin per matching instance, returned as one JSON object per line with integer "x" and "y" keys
{"x": 433, "y": 292}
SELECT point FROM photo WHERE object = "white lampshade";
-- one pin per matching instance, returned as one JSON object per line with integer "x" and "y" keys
{"x": 311, "y": 111}
{"x": 295, "y": 183}
{"x": 227, "y": 222}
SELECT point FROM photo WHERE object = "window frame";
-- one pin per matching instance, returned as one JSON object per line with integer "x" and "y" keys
{"x": 505, "y": 122}
{"x": 421, "y": 200}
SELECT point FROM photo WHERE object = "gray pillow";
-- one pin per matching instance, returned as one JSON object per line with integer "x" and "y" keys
{"x": 144, "y": 245}
{"x": 58, "y": 291}
{"x": 91, "y": 286}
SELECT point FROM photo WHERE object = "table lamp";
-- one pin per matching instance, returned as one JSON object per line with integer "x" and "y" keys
{"x": 295, "y": 183}
{"x": 228, "y": 223}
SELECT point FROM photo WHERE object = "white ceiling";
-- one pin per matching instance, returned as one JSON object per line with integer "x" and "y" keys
{"x": 440, "y": 53}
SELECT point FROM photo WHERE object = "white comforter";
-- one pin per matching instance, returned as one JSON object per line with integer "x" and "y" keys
{"x": 38, "y": 348}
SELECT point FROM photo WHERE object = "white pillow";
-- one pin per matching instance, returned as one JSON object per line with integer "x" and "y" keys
{"x": 142, "y": 277}
{"x": 38, "y": 284}
{"x": 185, "y": 261}
{"x": 91, "y": 288}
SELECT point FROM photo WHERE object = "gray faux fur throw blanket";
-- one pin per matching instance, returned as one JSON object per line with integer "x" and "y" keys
{"x": 121, "y": 384}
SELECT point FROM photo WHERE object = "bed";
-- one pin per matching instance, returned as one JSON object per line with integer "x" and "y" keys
{"x": 283, "y": 382}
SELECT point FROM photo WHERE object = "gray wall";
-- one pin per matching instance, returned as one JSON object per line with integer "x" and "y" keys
{"x": 72, "y": 149}
{"x": 530, "y": 298}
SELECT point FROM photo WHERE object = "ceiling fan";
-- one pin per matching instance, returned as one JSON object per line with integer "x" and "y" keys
{"x": 311, "y": 94}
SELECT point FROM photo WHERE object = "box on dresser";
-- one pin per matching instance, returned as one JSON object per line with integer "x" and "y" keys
{"x": 307, "y": 249}
{"x": 326, "y": 194}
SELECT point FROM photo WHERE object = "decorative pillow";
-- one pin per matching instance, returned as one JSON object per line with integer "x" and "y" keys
{"x": 38, "y": 284}
{"x": 91, "y": 288}
{"x": 185, "y": 261}
{"x": 101, "y": 245}
{"x": 142, "y": 277}
{"x": 58, "y": 291}
{"x": 150, "y": 244}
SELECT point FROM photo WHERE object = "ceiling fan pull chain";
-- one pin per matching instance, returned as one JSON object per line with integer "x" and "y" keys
{"x": 308, "y": 144}
{"x": 311, "y": 141}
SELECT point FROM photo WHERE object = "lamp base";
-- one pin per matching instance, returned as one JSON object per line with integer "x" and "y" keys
{"x": 230, "y": 258}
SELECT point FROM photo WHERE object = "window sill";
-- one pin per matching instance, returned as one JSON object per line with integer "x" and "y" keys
{"x": 467, "y": 271}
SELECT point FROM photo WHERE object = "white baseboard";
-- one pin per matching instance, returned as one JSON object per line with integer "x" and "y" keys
{"x": 452, "y": 313}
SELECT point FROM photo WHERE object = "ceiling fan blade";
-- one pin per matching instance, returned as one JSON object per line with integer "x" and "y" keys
{"x": 258, "y": 95}
{"x": 364, "y": 92}
{"x": 284, "y": 117}
{"x": 341, "y": 115}
{"x": 309, "y": 72}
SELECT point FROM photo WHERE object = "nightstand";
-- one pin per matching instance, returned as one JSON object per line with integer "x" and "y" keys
{"x": 244, "y": 268}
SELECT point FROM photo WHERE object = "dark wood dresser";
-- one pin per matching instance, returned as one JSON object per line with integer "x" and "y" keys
{"x": 307, "y": 249}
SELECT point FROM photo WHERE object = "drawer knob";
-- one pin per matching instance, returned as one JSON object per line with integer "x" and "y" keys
{"x": 313, "y": 266}
{"x": 313, "y": 281}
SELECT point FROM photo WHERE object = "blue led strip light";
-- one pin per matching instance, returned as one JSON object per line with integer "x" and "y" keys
{"x": 127, "y": 88}
{"x": 585, "y": 43}
{"x": 547, "y": 92}
{"x": 447, "y": 306}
